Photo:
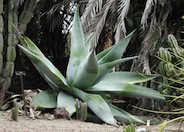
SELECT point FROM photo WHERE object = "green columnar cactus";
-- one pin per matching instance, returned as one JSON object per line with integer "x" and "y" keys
{"x": 10, "y": 51}
{"x": 8, "y": 47}
{"x": 1, "y": 45}
{"x": 129, "y": 128}
{"x": 15, "y": 111}
{"x": 171, "y": 68}
{"x": 81, "y": 110}
{"x": 26, "y": 15}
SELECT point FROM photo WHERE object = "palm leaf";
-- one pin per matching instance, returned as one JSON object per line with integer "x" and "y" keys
{"x": 120, "y": 25}
{"x": 99, "y": 21}
{"x": 146, "y": 13}
{"x": 92, "y": 7}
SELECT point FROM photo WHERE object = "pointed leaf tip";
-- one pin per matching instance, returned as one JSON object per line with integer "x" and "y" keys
{"x": 88, "y": 71}
{"x": 77, "y": 52}
{"x": 114, "y": 52}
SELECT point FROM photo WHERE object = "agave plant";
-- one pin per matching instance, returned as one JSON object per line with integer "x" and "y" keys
{"x": 88, "y": 77}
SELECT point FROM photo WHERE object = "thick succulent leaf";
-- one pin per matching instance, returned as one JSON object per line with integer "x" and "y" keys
{"x": 46, "y": 68}
{"x": 45, "y": 99}
{"x": 87, "y": 72}
{"x": 106, "y": 67}
{"x": 127, "y": 77}
{"x": 77, "y": 52}
{"x": 88, "y": 43}
{"x": 96, "y": 104}
{"x": 28, "y": 44}
{"x": 67, "y": 101}
{"x": 123, "y": 116}
{"x": 115, "y": 52}
{"x": 125, "y": 89}
{"x": 104, "y": 52}
{"x": 50, "y": 82}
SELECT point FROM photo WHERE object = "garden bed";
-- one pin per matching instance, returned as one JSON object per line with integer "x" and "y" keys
{"x": 25, "y": 124}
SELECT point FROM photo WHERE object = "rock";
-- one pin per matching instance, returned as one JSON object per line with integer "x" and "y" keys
{"x": 61, "y": 113}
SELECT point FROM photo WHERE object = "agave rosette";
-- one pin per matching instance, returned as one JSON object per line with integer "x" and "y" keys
{"x": 88, "y": 77}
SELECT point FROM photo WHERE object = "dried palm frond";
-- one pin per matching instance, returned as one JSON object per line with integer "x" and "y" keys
{"x": 120, "y": 25}
{"x": 95, "y": 17}
{"x": 154, "y": 32}
{"x": 60, "y": 14}
{"x": 99, "y": 22}
{"x": 54, "y": 8}
{"x": 19, "y": 2}
{"x": 55, "y": 22}
{"x": 92, "y": 8}
{"x": 146, "y": 13}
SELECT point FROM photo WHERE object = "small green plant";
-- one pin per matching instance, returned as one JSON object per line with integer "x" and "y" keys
{"x": 15, "y": 111}
{"x": 81, "y": 110}
{"x": 88, "y": 78}
{"x": 163, "y": 125}
{"x": 129, "y": 128}
{"x": 171, "y": 68}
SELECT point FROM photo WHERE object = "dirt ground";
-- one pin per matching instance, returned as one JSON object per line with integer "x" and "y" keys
{"x": 25, "y": 124}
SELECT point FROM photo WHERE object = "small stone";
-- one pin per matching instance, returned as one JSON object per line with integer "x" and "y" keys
{"x": 61, "y": 113}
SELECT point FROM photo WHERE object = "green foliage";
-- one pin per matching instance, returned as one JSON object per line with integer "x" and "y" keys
{"x": 12, "y": 12}
{"x": 81, "y": 110}
{"x": 129, "y": 128}
{"x": 88, "y": 77}
{"x": 15, "y": 111}
{"x": 172, "y": 70}
{"x": 163, "y": 125}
